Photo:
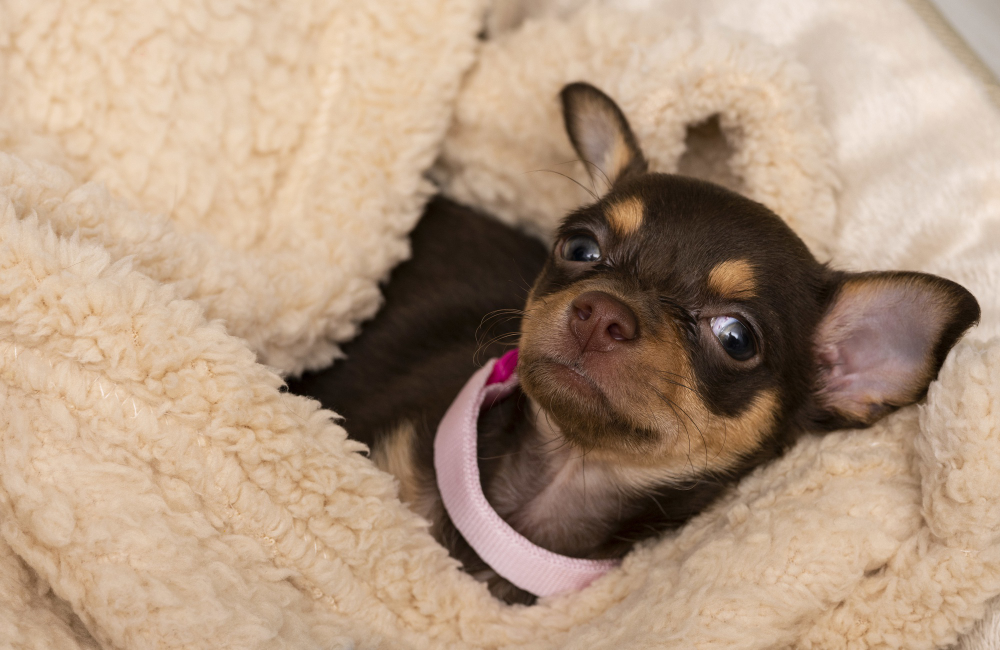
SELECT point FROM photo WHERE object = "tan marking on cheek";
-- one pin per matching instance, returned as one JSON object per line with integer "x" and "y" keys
{"x": 693, "y": 440}
{"x": 732, "y": 438}
{"x": 733, "y": 279}
{"x": 705, "y": 441}
{"x": 625, "y": 216}
{"x": 696, "y": 441}
{"x": 718, "y": 444}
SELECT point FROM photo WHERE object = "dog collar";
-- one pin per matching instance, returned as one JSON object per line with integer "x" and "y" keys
{"x": 527, "y": 565}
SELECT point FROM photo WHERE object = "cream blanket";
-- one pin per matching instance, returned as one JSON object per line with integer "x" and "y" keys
{"x": 188, "y": 188}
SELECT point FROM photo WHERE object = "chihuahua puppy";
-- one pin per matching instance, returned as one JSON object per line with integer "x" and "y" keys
{"x": 677, "y": 336}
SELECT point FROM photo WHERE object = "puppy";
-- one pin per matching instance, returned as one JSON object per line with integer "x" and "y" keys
{"x": 676, "y": 336}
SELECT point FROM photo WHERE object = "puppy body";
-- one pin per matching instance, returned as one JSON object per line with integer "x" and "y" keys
{"x": 677, "y": 336}
{"x": 456, "y": 303}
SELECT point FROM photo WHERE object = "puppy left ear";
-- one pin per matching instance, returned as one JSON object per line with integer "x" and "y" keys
{"x": 882, "y": 341}
{"x": 600, "y": 134}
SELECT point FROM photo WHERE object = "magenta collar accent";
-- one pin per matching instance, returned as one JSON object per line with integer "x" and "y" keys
{"x": 510, "y": 554}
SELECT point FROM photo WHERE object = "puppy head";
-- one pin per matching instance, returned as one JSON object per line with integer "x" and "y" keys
{"x": 686, "y": 328}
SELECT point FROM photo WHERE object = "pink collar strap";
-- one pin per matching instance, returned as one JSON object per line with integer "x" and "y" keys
{"x": 510, "y": 554}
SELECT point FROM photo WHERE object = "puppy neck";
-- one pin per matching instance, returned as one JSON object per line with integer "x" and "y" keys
{"x": 556, "y": 494}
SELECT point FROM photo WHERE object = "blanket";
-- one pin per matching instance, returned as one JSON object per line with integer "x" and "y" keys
{"x": 199, "y": 197}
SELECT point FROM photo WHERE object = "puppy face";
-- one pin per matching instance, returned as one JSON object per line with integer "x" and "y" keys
{"x": 682, "y": 327}
{"x": 669, "y": 324}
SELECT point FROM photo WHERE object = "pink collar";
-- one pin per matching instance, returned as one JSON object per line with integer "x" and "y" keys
{"x": 511, "y": 555}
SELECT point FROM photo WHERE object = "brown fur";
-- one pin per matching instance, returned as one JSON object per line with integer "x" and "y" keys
{"x": 676, "y": 336}
{"x": 661, "y": 420}
{"x": 395, "y": 455}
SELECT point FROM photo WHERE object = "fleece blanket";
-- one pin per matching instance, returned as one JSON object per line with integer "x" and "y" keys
{"x": 198, "y": 197}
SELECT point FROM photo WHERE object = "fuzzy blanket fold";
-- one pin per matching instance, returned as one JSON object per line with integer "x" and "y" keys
{"x": 200, "y": 195}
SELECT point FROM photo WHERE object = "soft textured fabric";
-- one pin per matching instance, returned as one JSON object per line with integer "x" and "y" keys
{"x": 190, "y": 190}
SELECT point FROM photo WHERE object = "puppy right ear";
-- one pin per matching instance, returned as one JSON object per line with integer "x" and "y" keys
{"x": 600, "y": 134}
{"x": 882, "y": 341}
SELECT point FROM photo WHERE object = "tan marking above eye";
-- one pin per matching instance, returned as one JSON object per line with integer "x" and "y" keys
{"x": 733, "y": 279}
{"x": 625, "y": 216}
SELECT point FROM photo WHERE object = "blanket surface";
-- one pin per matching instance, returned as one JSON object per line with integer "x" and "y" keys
{"x": 198, "y": 197}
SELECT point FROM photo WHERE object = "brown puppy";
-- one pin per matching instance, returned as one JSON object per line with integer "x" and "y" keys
{"x": 677, "y": 336}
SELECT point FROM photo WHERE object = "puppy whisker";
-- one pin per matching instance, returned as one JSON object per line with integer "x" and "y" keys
{"x": 701, "y": 433}
{"x": 525, "y": 285}
{"x": 496, "y": 314}
{"x": 674, "y": 382}
{"x": 497, "y": 321}
{"x": 496, "y": 339}
{"x": 585, "y": 188}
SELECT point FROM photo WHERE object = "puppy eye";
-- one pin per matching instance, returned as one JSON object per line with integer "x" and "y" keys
{"x": 735, "y": 337}
{"x": 581, "y": 248}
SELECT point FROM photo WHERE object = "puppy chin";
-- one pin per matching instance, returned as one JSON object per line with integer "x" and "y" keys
{"x": 579, "y": 405}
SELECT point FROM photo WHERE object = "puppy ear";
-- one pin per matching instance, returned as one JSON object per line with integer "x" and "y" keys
{"x": 882, "y": 341}
{"x": 600, "y": 134}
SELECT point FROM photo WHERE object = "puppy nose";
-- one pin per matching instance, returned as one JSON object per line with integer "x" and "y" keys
{"x": 600, "y": 322}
